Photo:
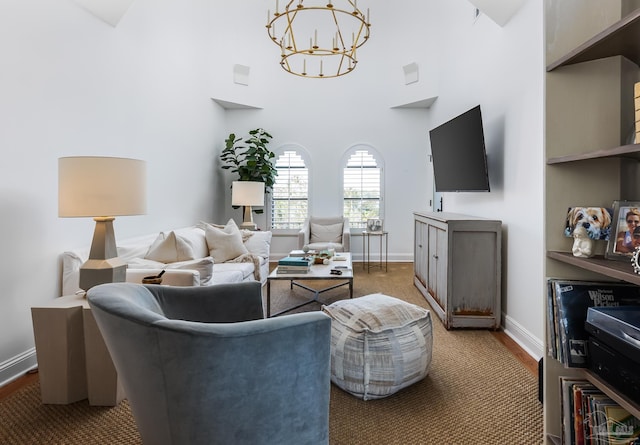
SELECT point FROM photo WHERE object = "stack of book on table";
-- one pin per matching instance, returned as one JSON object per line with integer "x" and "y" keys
{"x": 294, "y": 265}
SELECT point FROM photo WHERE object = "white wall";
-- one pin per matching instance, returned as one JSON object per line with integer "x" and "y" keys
{"x": 73, "y": 85}
{"x": 70, "y": 84}
{"x": 502, "y": 70}
{"x": 462, "y": 61}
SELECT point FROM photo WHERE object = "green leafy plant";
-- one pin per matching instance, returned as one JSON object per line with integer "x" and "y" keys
{"x": 252, "y": 161}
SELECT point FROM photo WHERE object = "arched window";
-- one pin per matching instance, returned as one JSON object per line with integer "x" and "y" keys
{"x": 362, "y": 186}
{"x": 290, "y": 194}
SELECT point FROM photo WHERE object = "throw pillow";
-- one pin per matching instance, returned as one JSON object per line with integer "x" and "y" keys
{"x": 331, "y": 233}
{"x": 224, "y": 244}
{"x": 169, "y": 249}
{"x": 204, "y": 266}
{"x": 194, "y": 236}
{"x": 259, "y": 243}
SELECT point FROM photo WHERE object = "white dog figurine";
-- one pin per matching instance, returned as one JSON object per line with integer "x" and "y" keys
{"x": 596, "y": 220}
{"x": 582, "y": 244}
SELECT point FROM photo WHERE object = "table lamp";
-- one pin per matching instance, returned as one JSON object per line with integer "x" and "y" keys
{"x": 102, "y": 188}
{"x": 247, "y": 194}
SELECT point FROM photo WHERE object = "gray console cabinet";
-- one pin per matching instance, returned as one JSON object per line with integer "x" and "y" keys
{"x": 457, "y": 267}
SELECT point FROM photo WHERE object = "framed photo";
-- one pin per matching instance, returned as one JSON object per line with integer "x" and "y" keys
{"x": 374, "y": 225}
{"x": 625, "y": 236}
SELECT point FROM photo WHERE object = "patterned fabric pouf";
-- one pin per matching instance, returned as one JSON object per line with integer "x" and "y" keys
{"x": 379, "y": 345}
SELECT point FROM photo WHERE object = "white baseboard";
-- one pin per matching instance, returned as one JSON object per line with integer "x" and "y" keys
{"x": 531, "y": 344}
{"x": 17, "y": 366}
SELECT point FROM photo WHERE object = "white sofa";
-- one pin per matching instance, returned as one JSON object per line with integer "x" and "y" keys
{"x": 198, "y": 255}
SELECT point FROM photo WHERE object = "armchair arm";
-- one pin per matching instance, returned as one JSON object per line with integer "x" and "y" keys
{"x": 217, "y": 303}
{"x": 171, "y": 277}
{"x": 346, "y": 236}
{"x": 304, "y": 234}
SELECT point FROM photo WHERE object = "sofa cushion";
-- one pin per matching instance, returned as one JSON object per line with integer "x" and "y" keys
{"x": 227, "y": 276}
{"x": 326, "y": 233}
{"x": 204, "y": 266}
{"x": 170, "y": 248}
{"x": 246, "y": 269}
{"x": 224, "y": 244}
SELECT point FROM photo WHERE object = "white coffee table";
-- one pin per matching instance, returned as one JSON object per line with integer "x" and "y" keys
{"x": 317, "y": 272}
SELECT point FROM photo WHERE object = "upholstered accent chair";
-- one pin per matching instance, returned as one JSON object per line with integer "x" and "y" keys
{"x": 200, "y": 365}
{"x": 321, "y": 233}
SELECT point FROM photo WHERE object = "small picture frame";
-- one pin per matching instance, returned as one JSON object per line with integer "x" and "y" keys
{"x": 374, "y": 225}
{"x": 626, "y": 236}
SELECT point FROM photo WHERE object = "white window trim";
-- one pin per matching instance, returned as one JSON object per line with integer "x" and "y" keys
{"x": 380, "y": 162}
{"x": 304, "y": 154}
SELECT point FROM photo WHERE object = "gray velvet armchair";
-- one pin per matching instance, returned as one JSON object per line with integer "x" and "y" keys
{"x": 200, "y": 365}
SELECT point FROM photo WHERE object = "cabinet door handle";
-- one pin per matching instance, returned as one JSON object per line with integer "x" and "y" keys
{"x": 435, "y": 257}
{"x": 420, "y": 246}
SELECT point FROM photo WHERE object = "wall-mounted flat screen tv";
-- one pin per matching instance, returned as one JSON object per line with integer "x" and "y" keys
{"x": 459, "y": 155}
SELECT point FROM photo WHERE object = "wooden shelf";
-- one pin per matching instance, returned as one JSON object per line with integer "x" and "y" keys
{"x": 620, "y": 39}
{"x": 554, "y": 440}
{"x": 620, "y": 270}
{"x": 621, "y": 399}
{"x": 625, "y": 151}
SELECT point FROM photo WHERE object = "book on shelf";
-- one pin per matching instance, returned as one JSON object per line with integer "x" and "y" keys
{"x": 590, "y": 417}
{"x": 567, "y": 405}
{"x": 571, "y": 300}
{"x": 295, "y": 261}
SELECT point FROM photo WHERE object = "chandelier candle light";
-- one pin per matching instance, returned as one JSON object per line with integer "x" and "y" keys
{"x": 318, "y": 39}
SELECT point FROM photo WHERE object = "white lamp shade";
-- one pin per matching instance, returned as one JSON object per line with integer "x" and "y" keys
{"x": 93, "y": 186}
{"x": 247, "y": 193}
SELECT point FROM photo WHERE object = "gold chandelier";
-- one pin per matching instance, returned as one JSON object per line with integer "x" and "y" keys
{"x": 318, "y": 39}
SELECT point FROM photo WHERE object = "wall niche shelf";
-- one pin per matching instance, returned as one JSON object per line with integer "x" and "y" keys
{"x": 620, "y": 39}
{"x": 231, "y": 105}
{"x": 500, "y": 11}
{"x": 423, "y": 103}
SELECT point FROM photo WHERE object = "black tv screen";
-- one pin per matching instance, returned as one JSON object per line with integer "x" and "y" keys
{"x": 459, "y": 155}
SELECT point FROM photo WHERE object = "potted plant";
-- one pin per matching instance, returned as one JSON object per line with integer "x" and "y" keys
{"x": 252, "y": 161}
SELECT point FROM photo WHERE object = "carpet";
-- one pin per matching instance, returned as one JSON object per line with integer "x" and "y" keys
{"x": 476, "y": 392}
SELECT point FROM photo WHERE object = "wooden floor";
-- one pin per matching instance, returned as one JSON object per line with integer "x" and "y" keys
{"x": 27, "y": 379}
{"x": 529, "y": 362}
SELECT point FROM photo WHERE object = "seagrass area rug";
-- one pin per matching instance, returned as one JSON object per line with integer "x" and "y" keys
{"x": 476, "y": 392}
